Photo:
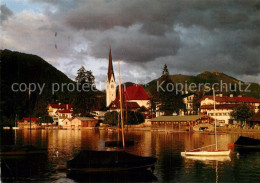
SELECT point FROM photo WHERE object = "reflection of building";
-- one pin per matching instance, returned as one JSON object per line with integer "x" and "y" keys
{"x": 59, "y": 112}
{"x": 179, "y": 123}
{"x": 225, "y": 105}
{"x": 79, "y": 122}
{"x": 25, "y": 123}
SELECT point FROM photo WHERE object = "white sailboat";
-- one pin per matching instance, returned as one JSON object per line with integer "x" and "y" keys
{"x": 216, "y": 152}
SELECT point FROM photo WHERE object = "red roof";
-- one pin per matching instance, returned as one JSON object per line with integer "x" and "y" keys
{"x": 61, "y": 106}
{"x": 134, "y": 92}
{"x": 233, "y": 99}
{"x": 65, "y": 111}
{"x": 221, "y": 106}
{"x": 32, "y": 119}
{"x": 247, "y": 99}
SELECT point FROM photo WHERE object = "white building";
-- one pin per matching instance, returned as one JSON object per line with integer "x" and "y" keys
{"x": 111, "y": 83}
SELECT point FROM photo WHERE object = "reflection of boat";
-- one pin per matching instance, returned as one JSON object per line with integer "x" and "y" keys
{"x": 109, "y": 161}
{"x": 119, "y": 143}
{"x": 209, "y": 158}
{"x": 111, "y": 130}
{"x": 216, "y": 152}
{"x": 133, "y": 176}
{"x": 13, "y": 150}
{"x": 246, "y": 143}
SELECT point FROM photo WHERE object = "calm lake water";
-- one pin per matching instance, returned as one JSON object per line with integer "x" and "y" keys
{"x": 170, "y": 166}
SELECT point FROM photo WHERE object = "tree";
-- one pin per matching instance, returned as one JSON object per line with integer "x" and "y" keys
{"x": 242, "y": 113}
{"x": 167, "y": 97}
{"x": 45, "y": 119}
{"x": 81, "y": 75}
{"x": 85, "y": 99}
{"x": 165, "y": 71}
{"x": 111, "y": 118}
{"x": 134, "y": 117}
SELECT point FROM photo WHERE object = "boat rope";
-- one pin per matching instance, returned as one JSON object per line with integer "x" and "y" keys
{"x": 203, "y": 147}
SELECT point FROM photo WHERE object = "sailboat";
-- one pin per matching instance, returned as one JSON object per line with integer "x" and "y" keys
{"x": 216, "y": 152}
{"x": 89, "y": 161}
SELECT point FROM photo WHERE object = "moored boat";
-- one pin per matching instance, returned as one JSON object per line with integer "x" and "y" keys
{"x": 109, "y": 161}
{"x": 246, "y": 143}
{"x": 206, "y": 153}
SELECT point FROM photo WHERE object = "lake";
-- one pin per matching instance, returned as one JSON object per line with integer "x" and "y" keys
{"x": 166, "y": 147}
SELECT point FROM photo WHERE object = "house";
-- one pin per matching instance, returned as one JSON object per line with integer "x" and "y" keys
{"x": 179, "y": 123}
{"x": 254, "y": 120}
{"x": 79, "y": 123}
{"x": 225, "y": 105}
{"x": 25, "y": 123}
{"x": 59, "y": 112}
{"x": 99, "y": 115}
{"x": 134, "y": 97}
{"x": 189, "y": 100}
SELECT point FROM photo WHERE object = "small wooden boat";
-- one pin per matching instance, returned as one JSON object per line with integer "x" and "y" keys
{"x": 206, "y": 153}
{"x": 109, "y": 161}
{"x": 208, "y": 158}
{"x": 119, "y": 143}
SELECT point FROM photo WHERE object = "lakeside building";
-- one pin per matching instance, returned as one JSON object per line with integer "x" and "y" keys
{"x": 189, "y": 100}
{"x": 79, "y": 122}
{"x": 225, "y": 105}
{"x": 134, "y": 97}
{"x": 181, "y": 123}
{"x": 25, "y": 123}
{"x": 59, "y": 112}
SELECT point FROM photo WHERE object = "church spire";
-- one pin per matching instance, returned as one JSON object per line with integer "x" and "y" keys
{"x": 110, "y": 72}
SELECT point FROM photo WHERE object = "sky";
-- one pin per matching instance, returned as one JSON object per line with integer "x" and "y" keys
{"x": 190, "y": 36}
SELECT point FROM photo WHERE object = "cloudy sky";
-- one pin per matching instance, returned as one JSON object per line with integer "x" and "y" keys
{"x": 190, "y": 36}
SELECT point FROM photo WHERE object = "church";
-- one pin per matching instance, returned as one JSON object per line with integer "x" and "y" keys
{"x": 134, "y": 97}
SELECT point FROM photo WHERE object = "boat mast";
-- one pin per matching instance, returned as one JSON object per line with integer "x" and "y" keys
{"x": 121, "y": 108}
{"x": 216, "y": 139}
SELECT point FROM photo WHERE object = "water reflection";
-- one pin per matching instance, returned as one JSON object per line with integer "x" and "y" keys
{"x": 164, "y": 146}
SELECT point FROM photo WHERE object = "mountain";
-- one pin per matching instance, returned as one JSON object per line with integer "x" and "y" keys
{"x": 211, "y": 77}
{"x": 24, "y": 69}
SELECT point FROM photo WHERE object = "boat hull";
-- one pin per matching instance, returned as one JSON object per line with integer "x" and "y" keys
{"x": 206, "y": 153}
{"x": 109, "y": 161}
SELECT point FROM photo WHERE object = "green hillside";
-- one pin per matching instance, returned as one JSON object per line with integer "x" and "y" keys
{"x": 211, "y": 77}
{"x": 18, "y": 67}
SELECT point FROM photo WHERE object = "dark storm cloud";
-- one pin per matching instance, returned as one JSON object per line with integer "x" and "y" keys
{"x": 5, "y": 12}
{"x": 195, "y": 35}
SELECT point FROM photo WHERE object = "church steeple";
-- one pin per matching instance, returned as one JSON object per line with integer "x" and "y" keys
{"x": 110, "y": 72}
{"x": 111, "y": 83}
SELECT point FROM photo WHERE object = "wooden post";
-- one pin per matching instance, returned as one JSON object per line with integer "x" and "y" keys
{"x": 121, "y": 108}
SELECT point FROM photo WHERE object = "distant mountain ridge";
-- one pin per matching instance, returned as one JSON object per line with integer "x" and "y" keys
{"x": 209, "y": 77}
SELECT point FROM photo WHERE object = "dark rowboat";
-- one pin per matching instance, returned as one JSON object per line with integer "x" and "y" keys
{"x": 109, "y": 161}
{"x": 119, "y": 143}
{"x": 246, "y": 143}
{"x": 17, "y": 150}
